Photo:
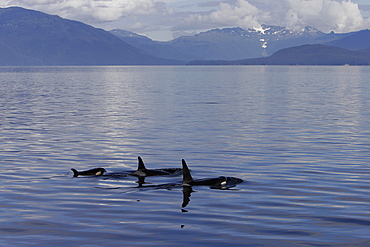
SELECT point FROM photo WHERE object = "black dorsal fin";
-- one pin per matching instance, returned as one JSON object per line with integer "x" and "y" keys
{"x": 75, "y": 172}
{"x": 186, "y": 176}
{"x": 141, "y": 165}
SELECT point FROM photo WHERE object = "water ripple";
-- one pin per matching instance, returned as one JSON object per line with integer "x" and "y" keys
{"x": 297, "y": 136}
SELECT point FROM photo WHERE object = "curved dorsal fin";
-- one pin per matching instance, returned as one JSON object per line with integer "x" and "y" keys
{"x": 186, "y": 176}
{"x": 140, "y": 165}
{"x": 75, "y": 172}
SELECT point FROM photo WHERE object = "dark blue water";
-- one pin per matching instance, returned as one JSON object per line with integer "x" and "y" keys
{"x": 299, "y": 137}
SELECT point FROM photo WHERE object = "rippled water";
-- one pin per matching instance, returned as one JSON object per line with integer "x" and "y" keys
{"x": 299, "y": 137}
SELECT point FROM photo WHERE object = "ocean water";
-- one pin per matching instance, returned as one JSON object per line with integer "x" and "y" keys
{"x": 299, "y": 137}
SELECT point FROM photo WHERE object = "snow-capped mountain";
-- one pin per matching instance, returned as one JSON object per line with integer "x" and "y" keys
{"x": 232, "y": 43}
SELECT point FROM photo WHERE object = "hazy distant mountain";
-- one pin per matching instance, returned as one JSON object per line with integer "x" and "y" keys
{"x": 302, "y": 55}
{"x": 354, "y": 41}
{"x": 29, "y": 37}
{"x": 230, "y": 43}
{"x": 155, "y": 48}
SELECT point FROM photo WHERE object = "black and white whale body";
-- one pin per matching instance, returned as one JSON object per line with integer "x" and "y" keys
{"x": 142, "y": 171}
{"x": 216, "y": 183}
{"x": 91, "y": 172}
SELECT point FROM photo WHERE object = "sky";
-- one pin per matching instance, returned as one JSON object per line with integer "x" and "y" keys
{"x": 167, "y": 19}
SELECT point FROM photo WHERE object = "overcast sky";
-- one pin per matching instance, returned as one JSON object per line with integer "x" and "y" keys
{"x": 166, "y": 19}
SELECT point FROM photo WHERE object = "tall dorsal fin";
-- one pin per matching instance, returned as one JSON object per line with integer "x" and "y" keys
{"x": 140, "y": 165}
{"x": 186, "y": 176}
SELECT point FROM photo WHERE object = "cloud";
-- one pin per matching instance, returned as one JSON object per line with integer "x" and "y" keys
{"x": 325, "y": 15}
{"x": 92, "y": 10}
{"x": 189, "y": 16}
{"x": 242, "y": 14}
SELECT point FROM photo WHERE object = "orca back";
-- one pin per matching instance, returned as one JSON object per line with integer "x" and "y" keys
{"x": 92, "y": 172}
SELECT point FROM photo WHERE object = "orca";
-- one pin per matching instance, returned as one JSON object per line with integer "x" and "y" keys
{"x": 215, "y": 183}
{"x": 142, "y": 171}
{"x": 91, "y": 172}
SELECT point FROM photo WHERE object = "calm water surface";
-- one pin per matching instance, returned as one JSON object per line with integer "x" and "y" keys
{"x": 299, "y": 137}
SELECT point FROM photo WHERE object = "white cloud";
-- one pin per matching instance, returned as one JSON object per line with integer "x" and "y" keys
{"x": 92, "y": 10}
{"x": 325, "y": 15}
{"x": 189, "y": 16}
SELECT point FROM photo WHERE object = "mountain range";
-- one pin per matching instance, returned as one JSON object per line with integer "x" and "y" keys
{"x": 230, "y": 43}
{"x": 315, "y": 54}
{"x": 29, "y": 37}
